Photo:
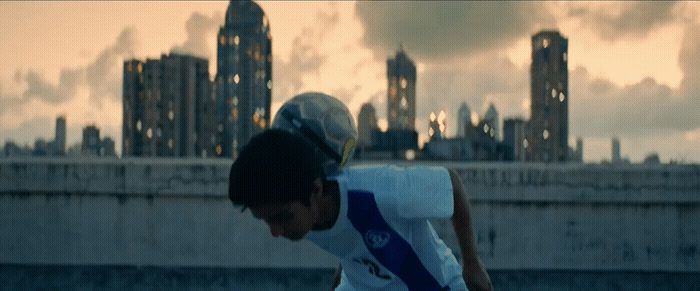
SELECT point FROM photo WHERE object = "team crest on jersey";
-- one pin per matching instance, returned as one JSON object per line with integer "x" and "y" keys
{"x": 376, "y": 239}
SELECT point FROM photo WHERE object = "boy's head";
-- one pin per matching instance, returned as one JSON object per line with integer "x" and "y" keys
{"x": 275, "y": 176}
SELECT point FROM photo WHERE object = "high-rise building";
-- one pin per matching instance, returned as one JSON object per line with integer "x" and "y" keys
{"x": 59, "y": 142}
{"x": 491, "y": 118}
{"x": 366, "y": 125}
{"x": 401, "y": 92}
{"x": 616, "y": 158}
{"x": 579, "y": 149}
{"x": 107, "y": 147}
{"x": 513, "y": 139}
{"x": 168, "y": 107}
{"x": 243, "y": 77}
{"x": 548, "y": 130}
{"x": 464, "y": 119}
{"x": 91, "y": 141}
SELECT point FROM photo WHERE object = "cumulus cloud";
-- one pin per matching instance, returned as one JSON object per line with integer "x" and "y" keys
{"x": 102, "y": 78}
{"x": 450, "y": 29}
{"x": 614, "y": 21}
{"x": 490, "y": 78}
{"x": 305, "y": 57}
{"x": 199, "y": 28}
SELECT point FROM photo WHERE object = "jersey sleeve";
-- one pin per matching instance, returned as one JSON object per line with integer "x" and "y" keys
{"x": 424, "y": 192}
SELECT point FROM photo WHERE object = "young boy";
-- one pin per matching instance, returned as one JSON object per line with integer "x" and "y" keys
{"x": 373, "y": 219}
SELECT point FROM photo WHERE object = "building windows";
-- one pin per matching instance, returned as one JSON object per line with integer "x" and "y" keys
{"x": 170, "y": 143}
{"x": 171, "y": 115}
{"x": 404, "y": 83}
{"x": 236, "y": 78}
{"x": 404, "y": 103}
{"x": 236, "y": 40}
{"x": 545, "y": 134}
{"x": 545, "y": 43}
{"x": 561, "y": 97}
{"x": 149, "y": 133}
{"x": 221, "y": 127}
{"x": 218, "y": 150}
{"x": 525, "y": 143}
{"x": 554, "y": 93}
{"x": 563, "y": 56}
{"x": 269, "y": 84}
{"x": 138, "y": 125}
{"x": 234, "y": 101}
{"x": 222, "y": 40}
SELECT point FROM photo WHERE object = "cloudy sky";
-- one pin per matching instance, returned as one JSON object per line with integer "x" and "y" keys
{"x": 634, "y": 67}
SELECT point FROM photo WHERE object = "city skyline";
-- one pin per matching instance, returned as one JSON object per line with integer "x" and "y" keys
{"x": 620, "y": 53}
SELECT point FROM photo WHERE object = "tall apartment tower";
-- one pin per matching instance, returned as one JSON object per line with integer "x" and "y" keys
{"x": 244, "y": 77}
{"x": 464, "y": 119}
{"x": 366, "y": 125}
{"x": 168, "y": 108}
{"x": 548, "y": 131}
{"x": 139, "y": 107}
{"x": 514, "y": 130}
{"x": 616, "y": 158}
{"x": 491, "y": 118}
{"x": 91, "y": 143}
{"x": 401, "y": 93}
{"x": 60, "y": 140}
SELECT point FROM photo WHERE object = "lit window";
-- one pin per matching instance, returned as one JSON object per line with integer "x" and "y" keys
{"x": 222, "y": 40}
{"x": 171, "y": 115}
{"x": 561, "y": 97}
{"x": 486, "y": 128}
{"x": 545, "y": 134}
{"x": 149, "y": 133}
{"x": 525, "y": 143}
{"x": 554, "y": 93}
{"x": 236, "y": 40}
{"x": 138, "y": 125}
{"x": 269, "y": 84}
{"x": 236, "y": 78}
{"x": 431, "y": 132}
{"x": 170, "y": 143}
{"x": 234, "y": 101}
{"x": 139, "y": 68}
{"x": 492, "y": 132}
{"x": 545, "y": 43}
{"x": 218, "y": 150}
{"x": 234, "y": 114}
{"x": 563, "y": 56}
{"x": 404, "y": 103}
{"x": 404, "y": 83}
{"x": 129, "y": 68}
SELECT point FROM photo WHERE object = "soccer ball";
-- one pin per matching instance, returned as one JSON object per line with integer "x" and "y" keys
{"x": 322, "y": 120}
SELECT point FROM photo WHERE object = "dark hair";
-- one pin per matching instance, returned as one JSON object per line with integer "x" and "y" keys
{"x": 274, "y": 167}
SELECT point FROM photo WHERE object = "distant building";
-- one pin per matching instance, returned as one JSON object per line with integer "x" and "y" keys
{"x": 91, "y": 141}
{"x": 491, "y": 118}
{"x": 616, "y": 157}
{"x": 548, "y": 130}
{"x": 11, "y": 149}
{"x": 366, "y": 125}
{"x": 59, "y": 143}
{"x": 579, "y": 149}
{"x": 401, "y": 92}
{"x": 436, "y": 126}
{"x": 41, "y": 148}
{"x": 514, "y": 133}
{"x": 464, "y": 119}
{"x": 652, "y": 159}
{"x": 107, "y": 148}
{"x": 243, "y": 80}
{"x": 168, "y": 108}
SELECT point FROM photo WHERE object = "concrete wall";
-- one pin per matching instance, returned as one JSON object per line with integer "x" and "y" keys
{"x": 613, "y": 223}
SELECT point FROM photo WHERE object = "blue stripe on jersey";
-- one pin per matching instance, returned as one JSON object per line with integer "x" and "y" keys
{"x": 387, "y": 246}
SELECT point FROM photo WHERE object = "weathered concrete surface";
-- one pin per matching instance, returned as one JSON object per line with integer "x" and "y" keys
{"x": 532, "y": 221}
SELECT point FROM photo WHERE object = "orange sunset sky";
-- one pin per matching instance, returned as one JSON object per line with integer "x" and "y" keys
{"x": 634, "y": 67}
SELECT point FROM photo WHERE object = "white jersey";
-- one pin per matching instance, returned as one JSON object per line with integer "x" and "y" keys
{"x": 383, "y": 238}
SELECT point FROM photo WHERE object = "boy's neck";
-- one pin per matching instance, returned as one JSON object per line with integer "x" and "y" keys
{"x": 330, "y": 205}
